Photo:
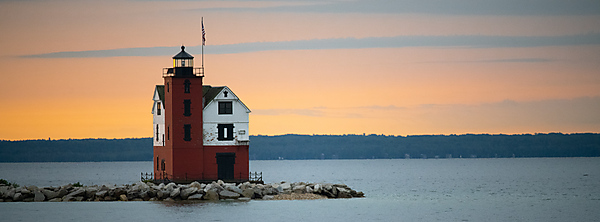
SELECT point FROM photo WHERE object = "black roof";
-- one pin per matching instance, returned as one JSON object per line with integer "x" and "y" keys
{"x": 183, "y": 54}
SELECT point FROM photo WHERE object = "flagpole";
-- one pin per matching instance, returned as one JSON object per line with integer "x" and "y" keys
{"x": 202, "y": 45}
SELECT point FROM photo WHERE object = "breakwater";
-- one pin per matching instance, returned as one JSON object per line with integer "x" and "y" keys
{"x": 141, "y": 191}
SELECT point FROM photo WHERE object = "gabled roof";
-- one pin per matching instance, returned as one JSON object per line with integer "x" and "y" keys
{"x": 160, "y": 89}
{"x": 161, "y": 92}
{"x": 210, "y": 93}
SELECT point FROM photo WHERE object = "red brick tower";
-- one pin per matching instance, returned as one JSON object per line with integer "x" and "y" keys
{"x": 181, "y": 157}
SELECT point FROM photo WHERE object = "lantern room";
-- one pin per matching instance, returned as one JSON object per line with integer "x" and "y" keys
{"x": 183, "y": 66}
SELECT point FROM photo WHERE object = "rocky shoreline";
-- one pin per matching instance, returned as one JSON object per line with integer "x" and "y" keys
{"x": 141, "y": 191}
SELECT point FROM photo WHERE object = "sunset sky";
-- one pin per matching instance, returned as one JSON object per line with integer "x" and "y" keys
{"x": 87, "y": 69}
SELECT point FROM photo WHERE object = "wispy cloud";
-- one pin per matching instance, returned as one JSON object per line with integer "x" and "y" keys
{"x": 438, "y": 7}
{"x": 515, "y": 60}
{"x": 468, "y": 41}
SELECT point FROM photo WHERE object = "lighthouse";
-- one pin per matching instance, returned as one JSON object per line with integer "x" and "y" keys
{"x": 200, "y": 131}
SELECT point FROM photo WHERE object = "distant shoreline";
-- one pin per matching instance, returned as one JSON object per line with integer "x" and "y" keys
{"x": 294, "y": 147}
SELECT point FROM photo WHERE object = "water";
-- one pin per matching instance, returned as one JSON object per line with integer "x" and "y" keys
{"x": 533, "y": 189}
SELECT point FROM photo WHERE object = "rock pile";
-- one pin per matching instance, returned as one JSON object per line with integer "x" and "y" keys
{"x": 170, "y": 192}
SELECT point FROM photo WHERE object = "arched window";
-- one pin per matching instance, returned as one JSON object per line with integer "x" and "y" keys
{"x": 186, "y": 85}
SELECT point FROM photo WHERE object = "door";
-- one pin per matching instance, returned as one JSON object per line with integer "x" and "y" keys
{"x": 225, "y": 162}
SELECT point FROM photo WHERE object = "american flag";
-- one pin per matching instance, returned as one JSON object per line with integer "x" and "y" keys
{"x": 203, "y": 33}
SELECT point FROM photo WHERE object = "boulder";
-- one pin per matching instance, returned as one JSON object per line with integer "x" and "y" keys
{"x": 211, "y": 195}
{"x": 248, "y": 192}
{"x": 18, "y": 197}
{"x": 3, "y": 191}
{"x": 213, "y": 186}
{"x": 286, "y": 186}
{"x": 245, "y": 185}
{"x": 309, "y": 189}
{"x": 49, "y": 194}
{"x": 132, "y": 194}
{"x": 170, "y": 187}
{"x": 359, "y": 194}
{"x": 162, "y": 194}
{"x": 196, "y": 185}
{"x": 24, "y": 190}
{"x": 77, "y": 192}
{"x": 101, "y": 194}
{"x": 226, "y": 194}
{"x": 90, "y": 192}
{"x": 318, "y": 188}
{"x": 123, "y": 197}
{"x": 197, "y": 196}
{"x": 38, "y": 196}
{"x": 343, "y": 193}
{"x": 144, "y": 195}
{"x": 62, "y": 192}
{"x": 55, "y": 199}
{"x": 185, "y": 193}
{"x": 299, "y": 189}
{"x": 10, "y": 194}
{"x": 175, "y": 193}
{"x": 233, "y": 189}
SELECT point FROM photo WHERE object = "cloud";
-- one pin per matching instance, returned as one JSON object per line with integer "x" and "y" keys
{"x": 515, "y": 60}
{"x": 438, "y": 7}
{"x": 467, "y": 41}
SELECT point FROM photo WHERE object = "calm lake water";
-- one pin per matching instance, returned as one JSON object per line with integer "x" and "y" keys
{"x": 528, "y": 189}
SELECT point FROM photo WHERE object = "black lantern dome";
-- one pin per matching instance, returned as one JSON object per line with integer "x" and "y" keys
{"x": 183, "y": 66}
{"x": 183, "y": 59}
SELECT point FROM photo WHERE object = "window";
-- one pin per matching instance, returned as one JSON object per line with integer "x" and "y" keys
{"x": 162, "y": 164}
{"x": 225, "y": 108}
{"x": 156, "y": 132}
{"x": 187, "y": 132}
{"x": 225, "y": 131}
{"x": 157, "y": 163}
{"x": 225, "y": 94}
{"x": 168, "y": 132}
{"x": 186, "y": 85}
{"x": 158, "y": 109}
{"x": 187, "y": 107}
{"x": 167, "y": 87}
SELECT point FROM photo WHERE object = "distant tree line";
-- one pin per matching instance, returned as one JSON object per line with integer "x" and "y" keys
{"x": 424, "y": 146}
{"x": 76, "y": 150}
{"x": 294, "y": 146}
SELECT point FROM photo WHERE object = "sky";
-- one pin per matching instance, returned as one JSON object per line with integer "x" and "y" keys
{"x": 87, "y": 69}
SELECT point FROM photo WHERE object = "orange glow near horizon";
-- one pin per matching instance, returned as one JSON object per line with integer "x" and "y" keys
{"x": 378, "y": 90}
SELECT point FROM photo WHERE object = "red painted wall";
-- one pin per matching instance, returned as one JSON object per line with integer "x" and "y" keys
{"x": 185, "y": 157}
{"x": 241, "y": 168}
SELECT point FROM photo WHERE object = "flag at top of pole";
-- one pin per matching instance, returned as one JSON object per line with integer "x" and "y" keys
{"x": 203, "y": 33}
